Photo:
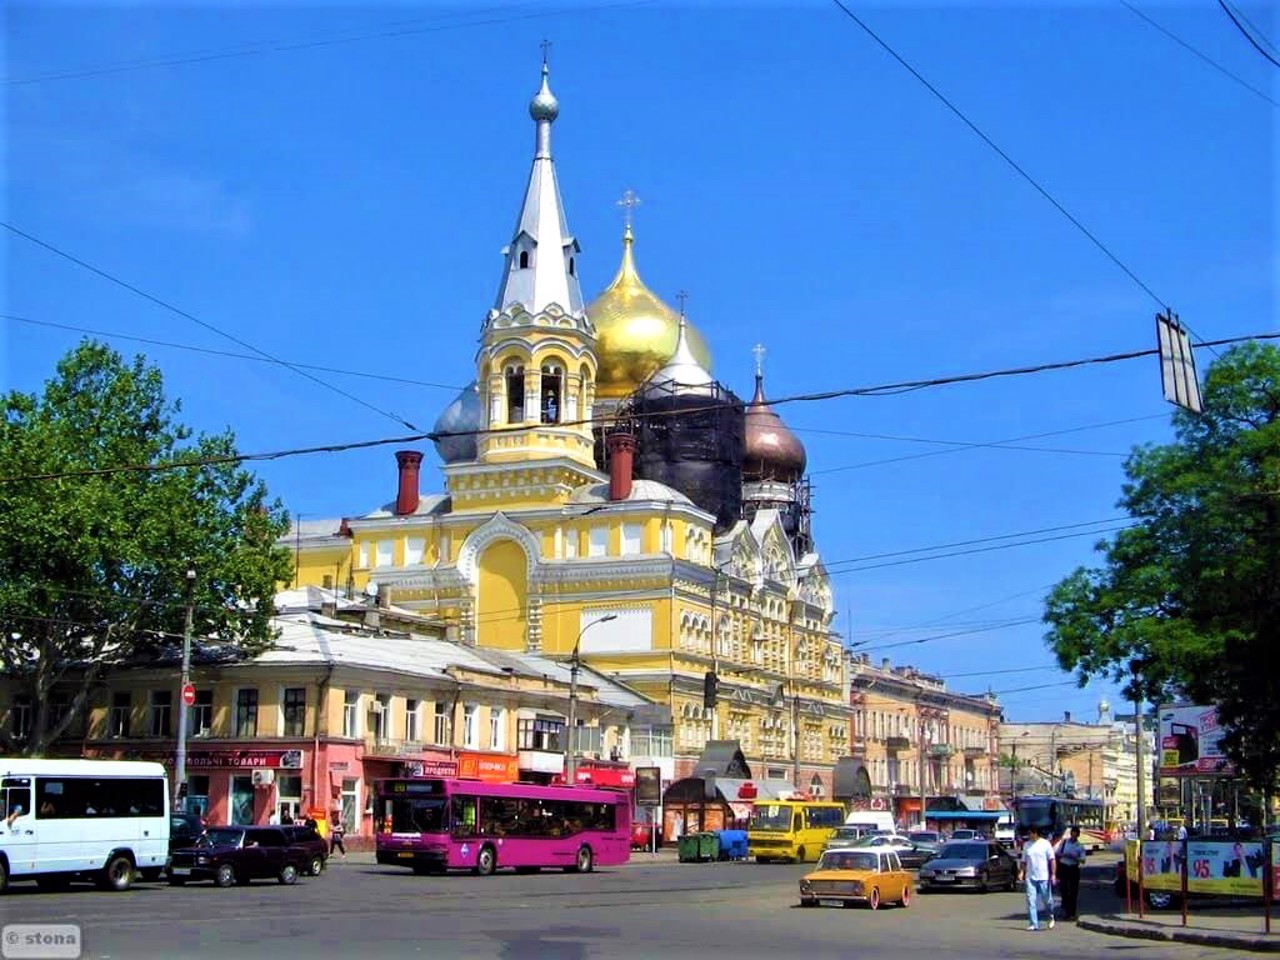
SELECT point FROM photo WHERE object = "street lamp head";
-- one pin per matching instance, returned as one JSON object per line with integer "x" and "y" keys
{"x": 607, "y": 617}
{"x": 191, "y": 574}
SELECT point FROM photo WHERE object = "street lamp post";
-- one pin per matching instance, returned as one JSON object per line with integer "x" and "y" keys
{"x": 575, "y": 664}
{"x": 180, "y": 764}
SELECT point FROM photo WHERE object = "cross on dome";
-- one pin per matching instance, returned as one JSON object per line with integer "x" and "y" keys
{"x": 759, "y": 351}
{"x": 629, "y": 202}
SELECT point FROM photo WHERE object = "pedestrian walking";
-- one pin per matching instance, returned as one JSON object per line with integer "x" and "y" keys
{"x": 337, "y": 830}
{"x": 1039, "y": 872}
{"x": 1070, "y": 855}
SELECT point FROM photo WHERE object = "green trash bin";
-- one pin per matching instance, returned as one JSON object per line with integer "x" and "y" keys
{"x": 687, "y": 848}
{"x": 708, "y": 846}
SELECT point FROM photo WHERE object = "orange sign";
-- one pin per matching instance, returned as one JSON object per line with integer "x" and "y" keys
{"x": 493, "y": 768}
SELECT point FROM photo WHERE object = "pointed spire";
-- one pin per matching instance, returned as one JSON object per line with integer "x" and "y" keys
{"x": 541, "y": 262}
{"x": 682, "y": 373}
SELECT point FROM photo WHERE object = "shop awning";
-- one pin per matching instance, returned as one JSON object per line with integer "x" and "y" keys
{"x": 964, "y": 816}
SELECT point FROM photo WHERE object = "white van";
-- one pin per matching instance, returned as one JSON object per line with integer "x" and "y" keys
{"x": 100, "y": 820}
{"x": 872, "y": 819}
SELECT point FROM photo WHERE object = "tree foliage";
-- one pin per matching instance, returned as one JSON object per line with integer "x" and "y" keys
{"x": 93, "y": 567}
{"x": 1187, "y": 602}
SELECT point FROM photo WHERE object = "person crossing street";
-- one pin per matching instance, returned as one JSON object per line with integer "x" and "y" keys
{"x": 1039, "y": 872}
{"x": 1070, "y": 856}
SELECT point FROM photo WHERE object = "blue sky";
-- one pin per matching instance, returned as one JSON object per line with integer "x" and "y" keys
{"x": 333, "y": 184}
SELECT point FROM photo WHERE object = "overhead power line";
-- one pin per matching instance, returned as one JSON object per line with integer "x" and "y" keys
{"x": 1247, "y": 34}
{"x": 884, "y": 390}
{"x": 402, "y": 28}
{"x": 202, "y": 323}
{"x": 1186, "y": 46}
{"x": 228, "y": 353}
{"x": 1092, "y": 237}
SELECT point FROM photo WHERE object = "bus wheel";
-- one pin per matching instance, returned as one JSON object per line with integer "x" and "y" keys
{"x": 586, "y": 860}
{"x": 4, "y": 875}
{"x": 118, "y": 874}
{"x": 486, "y": 861}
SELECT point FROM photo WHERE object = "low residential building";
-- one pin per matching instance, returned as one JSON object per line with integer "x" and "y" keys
{"x": 307, "y": 727}
{"x": 913, "y": 737}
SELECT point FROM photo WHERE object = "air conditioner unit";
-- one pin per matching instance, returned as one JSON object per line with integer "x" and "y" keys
{"x": 264, "y": 778}
{"x": 202, "y": 732}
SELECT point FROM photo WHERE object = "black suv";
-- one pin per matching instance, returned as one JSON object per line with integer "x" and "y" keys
{"x": 184, "y": 830}
{"x": 315, "y": 848}
{"x": 229, "y": 855}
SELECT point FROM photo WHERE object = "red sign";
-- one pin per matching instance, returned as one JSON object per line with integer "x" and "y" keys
{"x": 605, "y": 775}
{"x": 488, "y": 767}
{"x": 242, "y": 759}
{"x": 189, "y": 694}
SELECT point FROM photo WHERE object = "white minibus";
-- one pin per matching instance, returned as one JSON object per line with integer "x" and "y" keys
{"x": 100, "y": 820}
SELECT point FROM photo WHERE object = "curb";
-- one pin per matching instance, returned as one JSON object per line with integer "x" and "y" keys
{"x": 1205, "y": 938}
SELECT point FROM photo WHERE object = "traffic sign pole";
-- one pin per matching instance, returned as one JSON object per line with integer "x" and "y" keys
{"x": 180, "y": 764}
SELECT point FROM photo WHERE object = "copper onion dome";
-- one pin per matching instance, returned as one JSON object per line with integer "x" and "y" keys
{"x": 772, "y": 451}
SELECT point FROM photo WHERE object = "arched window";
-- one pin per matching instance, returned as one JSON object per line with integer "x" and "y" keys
{"x": 552, "y": 395}
{"x": 514, "y": 375}
{"x": 524, "y": 259}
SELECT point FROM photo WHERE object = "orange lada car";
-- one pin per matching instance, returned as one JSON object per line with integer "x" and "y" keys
{"x": 849, "y": 877}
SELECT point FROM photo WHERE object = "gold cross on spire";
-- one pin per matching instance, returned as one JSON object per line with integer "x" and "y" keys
{"x": 759, "y": 352}
{"x": 628, "y": 203}
{"x": 546, "y": 51}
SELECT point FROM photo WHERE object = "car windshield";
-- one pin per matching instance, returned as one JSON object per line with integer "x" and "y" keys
{"x": 924, "y": 836}
{"x": 963, "y": 851}
{"x": 846, "y": 833}
{"x": 219, "y": 837}
{"x": 848, "y": 860}
{"x": 771, "y": 817}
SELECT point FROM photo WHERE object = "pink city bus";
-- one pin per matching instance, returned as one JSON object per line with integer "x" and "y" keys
{"x": 436, "y": 825}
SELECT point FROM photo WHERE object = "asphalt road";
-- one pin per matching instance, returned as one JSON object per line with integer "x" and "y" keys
{"x": 641, "y": 911}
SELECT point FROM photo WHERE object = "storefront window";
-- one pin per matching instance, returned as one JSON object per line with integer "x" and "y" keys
{"x": 241, "y": 800}
{"x": 198, "y": 795}
{"x": 351, "y": 805}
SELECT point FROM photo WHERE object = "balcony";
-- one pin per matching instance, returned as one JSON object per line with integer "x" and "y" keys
{"x": 975, "y": 753}
{"x": 941, "y": 750}
{"x": 381, "y": 747}
{"x": 897, "y": 743}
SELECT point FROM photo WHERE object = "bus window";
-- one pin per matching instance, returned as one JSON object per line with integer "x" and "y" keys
{"x": 464, "y": 816}
{"x": 15, "y": 798}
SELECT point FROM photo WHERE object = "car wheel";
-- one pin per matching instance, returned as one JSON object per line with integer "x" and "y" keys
{"x": 874, "y": 900}
{"x": 4, "y": 875}
{"x": 486, "y": 861}
{"x": 225, "y": 875}
{"x": 316, "y": 867}
{"x": 288, "y": 875}
{"x": 906, "y": 894}
{"x": 586, "y": 861}
{"x": 118, "y": 874}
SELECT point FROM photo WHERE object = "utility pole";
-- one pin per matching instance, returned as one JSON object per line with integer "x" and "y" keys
{"x": 1142, "y": 764}
{"x": 180, "y": 765}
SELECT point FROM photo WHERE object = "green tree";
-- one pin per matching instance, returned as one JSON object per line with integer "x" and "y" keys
{"x": 93, "y": 565}
{"x": 1187, "y": 603}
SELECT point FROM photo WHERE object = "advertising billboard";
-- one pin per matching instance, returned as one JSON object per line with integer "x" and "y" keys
{"x": 1190, "y": 743}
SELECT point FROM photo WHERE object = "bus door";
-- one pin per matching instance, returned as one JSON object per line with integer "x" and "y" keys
{"x": 17, "y": 824}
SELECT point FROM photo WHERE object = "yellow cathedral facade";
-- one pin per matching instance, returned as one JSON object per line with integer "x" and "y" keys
{"x": 606, "y": 499}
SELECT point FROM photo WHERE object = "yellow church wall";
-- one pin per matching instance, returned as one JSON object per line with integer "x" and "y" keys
{"x": 502, "y": 596}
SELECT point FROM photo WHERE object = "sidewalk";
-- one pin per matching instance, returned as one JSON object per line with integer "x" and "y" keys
{"x": 1202, "y": 929}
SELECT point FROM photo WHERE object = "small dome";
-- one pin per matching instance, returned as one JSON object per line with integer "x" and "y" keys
{"x": 544, "y": 105}
{"x": 463, "y": 415}
{"x": 650, "y": 490}
{"x": 771, "y": 451}
{"x": 635, "y": 331}
{"x": 682, "y": 374}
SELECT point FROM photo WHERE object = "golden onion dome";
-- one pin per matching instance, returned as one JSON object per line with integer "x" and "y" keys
{"x": 636, "y": 333}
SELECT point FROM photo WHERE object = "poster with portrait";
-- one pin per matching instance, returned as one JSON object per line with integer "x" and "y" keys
{"x": 1226, "y": 867}
{"x": 1161, "y": 864}
{"x": 1191, "y": 743}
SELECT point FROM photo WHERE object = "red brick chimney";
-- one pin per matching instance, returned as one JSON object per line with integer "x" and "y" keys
{"x": 622, "y": 447}
{"x": 410, "y": 464}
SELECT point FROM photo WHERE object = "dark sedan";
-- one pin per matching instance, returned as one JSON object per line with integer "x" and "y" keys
{"x": 980, "y": 864}
{"x": 910, "y": 855}
{"x": 229, "y": 855}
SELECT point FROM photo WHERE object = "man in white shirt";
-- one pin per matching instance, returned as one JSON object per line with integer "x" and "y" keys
{"x": 1039, "y": 871}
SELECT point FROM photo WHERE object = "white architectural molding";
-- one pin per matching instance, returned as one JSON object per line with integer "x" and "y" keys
{"x": 498, "y": 527}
